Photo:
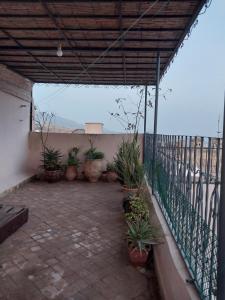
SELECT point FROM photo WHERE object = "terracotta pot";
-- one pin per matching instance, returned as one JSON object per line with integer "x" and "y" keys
{"x": 111, "y": 176}
{"x": 93, "y": 169}
{"x": 133, "y": 191}
{"x": 71, "y": 173}
{"x": 137, "y": 258}
{"x": 104, "y": 176}
{"x": 52, "y": 176}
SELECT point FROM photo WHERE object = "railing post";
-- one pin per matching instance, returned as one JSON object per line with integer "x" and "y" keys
{"x": 221, "y": 228}
{"x": 145, "y": 119}
{"x": 155, "y": 119}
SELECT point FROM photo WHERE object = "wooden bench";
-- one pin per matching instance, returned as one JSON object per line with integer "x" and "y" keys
{"x": 11, "y": 218}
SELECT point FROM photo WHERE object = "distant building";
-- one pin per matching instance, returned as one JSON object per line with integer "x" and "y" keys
{"x": 79, "y": 131}
{"x": 197, "y": 141}
{"x": 93, "y": 128}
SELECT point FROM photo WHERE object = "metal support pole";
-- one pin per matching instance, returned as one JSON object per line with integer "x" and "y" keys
{"x": 155, "y": 119}
{"x": 221, "y": 229}
{"x": 145, "y": 119}
{"x": 31, "y": 112}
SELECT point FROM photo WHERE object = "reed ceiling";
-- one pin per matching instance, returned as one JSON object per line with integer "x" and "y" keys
{"x": 31, "y": 31}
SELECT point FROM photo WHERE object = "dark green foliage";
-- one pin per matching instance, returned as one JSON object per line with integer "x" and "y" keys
{"x": 111, "y": 167}
{"x": 72, "y": 157}
{"x": 138, "y": 209}
{"x": 51, "y": 159}
{"x": 92, "y": 153}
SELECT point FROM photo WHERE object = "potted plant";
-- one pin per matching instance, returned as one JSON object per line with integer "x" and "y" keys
{"x": 72, "y": 164}
{"x": 111, "y": 175}
{"x": 126, "y": 204}
{"x": 93, "y": 164}
{"x": 140, "y": 237}
{"x": 135, "y": 207}
{"x": 128, "y": 166}
{"x": 51, "y": 164}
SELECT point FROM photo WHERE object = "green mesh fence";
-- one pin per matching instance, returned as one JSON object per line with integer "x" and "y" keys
{"x": 185, "y": 179}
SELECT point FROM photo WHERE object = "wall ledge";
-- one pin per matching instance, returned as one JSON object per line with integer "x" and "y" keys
{"x": 171, "y": 270}
{"x": 12, "y": 186}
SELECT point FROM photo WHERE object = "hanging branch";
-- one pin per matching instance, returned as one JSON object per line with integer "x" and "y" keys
{"x": 130, "y": 120}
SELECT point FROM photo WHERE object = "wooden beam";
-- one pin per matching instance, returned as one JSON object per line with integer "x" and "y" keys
{"x": 150, "y": 56}
{"x": 71, "y": 68}
{"x": 139, "y": 29}
{"x": 88, "y": 49}
{"x": 87, "y": 1}
{"x": 101, "y": 39}
{"x": 62, "y": 64}
{"x": 94, "y": 16}
{"x": 99, "y": 82}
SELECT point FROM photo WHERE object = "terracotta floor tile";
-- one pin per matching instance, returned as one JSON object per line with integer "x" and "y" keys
{"x": 72, "y": 246}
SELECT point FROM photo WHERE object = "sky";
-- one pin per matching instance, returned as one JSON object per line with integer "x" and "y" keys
{"x": 196, "y": 77}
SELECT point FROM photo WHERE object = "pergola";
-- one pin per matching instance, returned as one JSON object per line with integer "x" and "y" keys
{"x": 103, "y": 42}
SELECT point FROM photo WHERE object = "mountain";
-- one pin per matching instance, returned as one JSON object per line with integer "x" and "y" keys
{"x": 60, "y": 124}
{"x": 66, "y": 123}
{"x": 69, "y": 124}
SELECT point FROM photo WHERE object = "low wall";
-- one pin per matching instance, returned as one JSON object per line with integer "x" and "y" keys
{"x": 107, "y": 143}
{"x": 172, "y": 273}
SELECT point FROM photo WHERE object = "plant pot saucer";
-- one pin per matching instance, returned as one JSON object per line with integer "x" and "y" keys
{"x": 129, "y": 190}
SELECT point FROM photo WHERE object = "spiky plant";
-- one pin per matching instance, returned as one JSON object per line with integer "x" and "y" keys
{"x": 140, "y": 234}
{"x": 51, "y": 159}
{"x": 128, "y": 165}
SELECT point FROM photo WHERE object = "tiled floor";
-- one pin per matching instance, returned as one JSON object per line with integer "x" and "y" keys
{"x": 72, "y": 247}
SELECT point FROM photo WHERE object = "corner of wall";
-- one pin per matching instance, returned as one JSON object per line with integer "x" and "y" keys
{"x": 15, "y": 99}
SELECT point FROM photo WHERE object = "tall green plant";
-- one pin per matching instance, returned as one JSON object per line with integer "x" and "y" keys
{"x": 128, "y": 165}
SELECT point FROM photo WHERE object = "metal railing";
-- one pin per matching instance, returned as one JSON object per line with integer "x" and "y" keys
{"x": 184, "y": 173}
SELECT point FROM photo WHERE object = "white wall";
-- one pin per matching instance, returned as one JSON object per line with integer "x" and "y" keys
{"x": 15, "y": 101}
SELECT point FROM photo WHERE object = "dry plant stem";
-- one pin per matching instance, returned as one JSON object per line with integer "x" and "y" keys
{"x": 43, "y": 121}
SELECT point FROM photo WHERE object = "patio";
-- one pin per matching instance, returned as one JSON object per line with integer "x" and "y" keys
{"x": 72, "y": 246}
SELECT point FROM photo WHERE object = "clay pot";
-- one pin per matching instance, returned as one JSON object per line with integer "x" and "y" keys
{"x": 129, "y": 191}
{"x": 111, "y": 176}
{"x": 137, "y": 258}
{"x": 104, "y": 176}
{"x": 52, "y": 176}
{"x": 93, "y": 169}
{"x": 71, "y": 173}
